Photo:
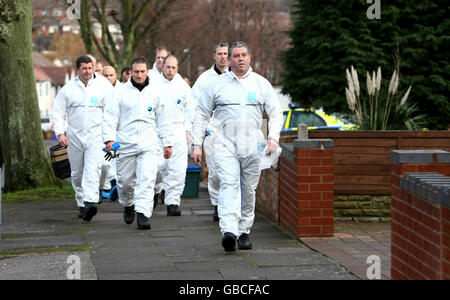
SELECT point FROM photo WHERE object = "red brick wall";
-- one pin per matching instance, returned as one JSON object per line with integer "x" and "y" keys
{"x": 420, "y": 228}
{"x": 362, "y": 158}
{"x": 415, "y": 241}
{"x": 267, "y": 194}
{"x": 306, "y": 192}
{"x": 288, "y": 187}
{"x": 445, "y": 219}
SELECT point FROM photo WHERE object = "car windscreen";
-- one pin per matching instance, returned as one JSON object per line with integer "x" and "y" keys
{"x": 308, "y": 117}
{"x": 285, "y": 114}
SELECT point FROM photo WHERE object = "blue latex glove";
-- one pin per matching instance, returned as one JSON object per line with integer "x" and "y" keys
{"x": 113, "y": 153}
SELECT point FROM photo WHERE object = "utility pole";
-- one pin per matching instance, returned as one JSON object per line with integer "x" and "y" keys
{"x": 188, "y": 51}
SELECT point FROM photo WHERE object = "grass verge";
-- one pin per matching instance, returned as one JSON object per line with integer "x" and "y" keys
{"x": 41, "y": 193}
{"x": 45, "y": 250}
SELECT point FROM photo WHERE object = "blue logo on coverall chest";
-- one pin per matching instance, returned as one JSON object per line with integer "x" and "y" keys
{"x": 149, "y": 108}
{"x": 178, "y": 101}
{"x": 251, "y": 96}
{"x": 94, "y": 100}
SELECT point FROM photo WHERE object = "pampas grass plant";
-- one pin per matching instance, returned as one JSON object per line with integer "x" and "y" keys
{"x": 380, "y": 110}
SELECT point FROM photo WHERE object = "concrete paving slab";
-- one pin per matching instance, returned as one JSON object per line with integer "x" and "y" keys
{"x": 185, "y": 247}
{"x": 42, "y": 242}
{"x": 314, "y": 272}
{"x": 53, "y": 266}
{"x": 194, "y": 275}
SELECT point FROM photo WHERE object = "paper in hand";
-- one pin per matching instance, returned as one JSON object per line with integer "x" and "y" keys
{"x": 266, "y": 161}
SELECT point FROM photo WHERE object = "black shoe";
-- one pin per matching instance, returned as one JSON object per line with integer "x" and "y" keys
{"x": 244, "y": 242}
{"x": 81, "y": 213}
{"x": 173, "y": 210}
{"x": 215, "y": 214}
{"x": 90, "y": 210}
{"x": 113, "y": 194}
{"x": 162, "y": 196}
{"x": 229, "y": 242}
{"x": 142, "y": 222}
{"x": 155, "y": 200}
{"x": 129, "y": 214}
{"x": 100, "y": 196}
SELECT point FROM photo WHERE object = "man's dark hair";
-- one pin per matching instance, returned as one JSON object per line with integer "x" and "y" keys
{"x": 83, "y": 60}
{"x": 139, "y": 60}
{"x": 160, "y": 48}
{"x": 220, "y": 44}
{"x": 168, "y": 56}
{"x": 238, "y": 45}
{"x": 126, "y": 69}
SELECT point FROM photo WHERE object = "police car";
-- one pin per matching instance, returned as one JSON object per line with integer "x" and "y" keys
{"x": 315, "y": 119}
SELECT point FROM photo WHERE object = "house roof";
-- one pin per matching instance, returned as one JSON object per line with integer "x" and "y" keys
{"x": 57, "y": 74}
{"x": 40, "y": 74}
{"x": 40, "y": 60}
{"x": 44, "y": 69}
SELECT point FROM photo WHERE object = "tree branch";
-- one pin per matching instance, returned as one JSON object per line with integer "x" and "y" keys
{"x": 161, "y": 12}
{"x": 86, "y": 25}
{"x": 142, "y": 12}
{"x": 107, "y": 39}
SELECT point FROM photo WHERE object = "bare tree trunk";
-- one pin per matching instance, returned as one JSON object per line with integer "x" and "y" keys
{"x": 134, "y": 20}
{"x": 27, "y": 163}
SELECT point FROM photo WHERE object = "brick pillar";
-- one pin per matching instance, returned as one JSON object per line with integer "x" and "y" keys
{"x": 445, "y": 223}
{"x": 420, "y": 219}
{"x": 419, "y": 161}
{"x": 306, "y": 188}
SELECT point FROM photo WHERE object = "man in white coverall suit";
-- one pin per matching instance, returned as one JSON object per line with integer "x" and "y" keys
{"x": 237, "y": 99}
{"x": 156, "y": 72}
{"x": 220, "y": 56}
{"x": 81, "y": 102}
{"x": 176, "y": 93}
{"x": 138, "y": 110}
{"x": 108, "y": 177}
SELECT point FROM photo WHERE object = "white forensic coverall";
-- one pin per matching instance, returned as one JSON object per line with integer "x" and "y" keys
{"x": 172, "y": 172}
{"x": 154, "y": 75}
{"x": 82, "y": 107}
{"x": 198, "y": 89}
{"x": 238, "y": 105}
{"x": 109, "y": 166}
{"x": 138, "y": 114}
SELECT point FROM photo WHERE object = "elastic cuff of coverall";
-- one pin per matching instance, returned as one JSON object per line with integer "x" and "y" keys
{"x": 145, "y": 213}
{"x": 274, "y": 139}
{"x": 243, "y": 231}
{"x": 233, "y": 232}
